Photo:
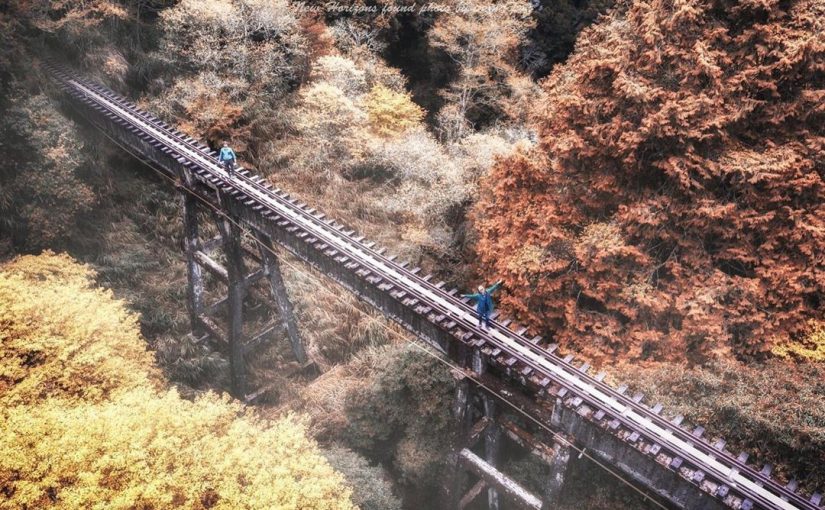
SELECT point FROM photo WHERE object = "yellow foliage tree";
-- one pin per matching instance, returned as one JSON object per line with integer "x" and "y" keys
{"x": 391, "y": 113}
{"x": 62, "y": 338}
{"x": 811, "y": 349}
{"x": 86, "y": 423}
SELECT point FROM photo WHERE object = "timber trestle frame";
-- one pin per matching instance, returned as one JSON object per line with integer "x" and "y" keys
{"x": 241, "y": 286}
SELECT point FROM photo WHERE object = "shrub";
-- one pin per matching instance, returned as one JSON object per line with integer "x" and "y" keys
{"x": 341, "y": 73}
{"x": 45, "y": 159}
{"x": 210, "y": 104}
{"x": 256, "y": 40}
{"x": 429, "y": 181}
{"x": 245, "y": 56}
{"x": 774, "y": 411}
{"x": 478, "y": 152}
{"x": 85, "y": 421}
{"x": 403, "y": 414}
{"x": 372, "y": 489}
{"x": 391, "y": 113}
{"x": 331, "y": 125}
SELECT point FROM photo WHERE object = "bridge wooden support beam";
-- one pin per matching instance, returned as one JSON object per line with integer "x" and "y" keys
{"x": 511, "y": 490}
{"x": 556, "y": 457}
{"x": 492, "y": 446}
{"x": 194, "y": 281}
{"x": 481, "y": 428}
{"x": 272, "y": 268}
{"x": 236, "y": 272}
{"x": 472, "y": 494}
{"x": 463, "y": 413}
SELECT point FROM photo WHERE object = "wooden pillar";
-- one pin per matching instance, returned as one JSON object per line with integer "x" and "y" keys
{"x": 558, "y": 472}
{"x": 236, "y": 272}
{"x": 194, "y": 284}
{"x": 272, "y": 268}
{"x": 463, "y": 414}
{"x": 492, "y": 443}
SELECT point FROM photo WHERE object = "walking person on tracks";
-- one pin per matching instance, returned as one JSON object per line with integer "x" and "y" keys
{"x": 484, "y": 302}
{"x": 227, "y": 159}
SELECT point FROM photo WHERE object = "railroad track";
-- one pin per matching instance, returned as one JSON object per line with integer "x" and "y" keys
{"x": 524, "y": 358}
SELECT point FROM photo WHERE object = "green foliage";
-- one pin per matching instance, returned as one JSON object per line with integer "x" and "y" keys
{"x": 402, "y": 414}
{"x": 371, "y": 486}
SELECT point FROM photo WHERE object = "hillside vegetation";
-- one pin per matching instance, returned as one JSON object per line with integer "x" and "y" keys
{"x": 86, "y": 422}
{"x": 674, "y": 208}
{"x": 645, "y": 175}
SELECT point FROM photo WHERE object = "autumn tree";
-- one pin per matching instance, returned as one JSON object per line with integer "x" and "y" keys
{"x": 86, "y": 420}
{"x": 391, "y": 113}
{"x": 225, "y": 64}
{"x": 482, "y": 40}
{"x": 674, "y": 206}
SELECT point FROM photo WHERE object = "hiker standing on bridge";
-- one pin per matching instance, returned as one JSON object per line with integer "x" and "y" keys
{"x": 484, "y": 302}
{"x": 227, "y": 158}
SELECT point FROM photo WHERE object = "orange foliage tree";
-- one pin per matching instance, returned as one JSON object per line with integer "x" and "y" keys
{"x": 675, "y": 203}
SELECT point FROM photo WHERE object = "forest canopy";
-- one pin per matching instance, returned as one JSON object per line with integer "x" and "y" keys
{"x": 675, "y": 205}
{"x": 86, "y": 423}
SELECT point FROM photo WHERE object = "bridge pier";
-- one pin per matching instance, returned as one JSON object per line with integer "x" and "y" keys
{"x": 194, "y": 281}
{"x": 558, "y": 474}
{"x": 236, "y": 271}
{"x": 492, "y": 437}
{"x": 272, "y": 267}
{"x": 479, "y": 428}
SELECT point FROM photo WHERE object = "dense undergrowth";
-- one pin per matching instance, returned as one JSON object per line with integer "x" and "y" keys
{"x": 656, "y": 197}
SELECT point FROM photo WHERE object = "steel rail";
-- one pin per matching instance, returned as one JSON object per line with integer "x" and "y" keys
{"x": 631, "y": 413}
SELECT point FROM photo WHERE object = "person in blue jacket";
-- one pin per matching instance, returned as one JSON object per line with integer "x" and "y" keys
{"x": 227, "y": 158}
{"x": 484, "y": 302}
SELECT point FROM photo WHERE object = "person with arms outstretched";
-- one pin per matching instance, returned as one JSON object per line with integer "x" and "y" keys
{"x": 227, "y": 159}
{"x": 484, "y": 302}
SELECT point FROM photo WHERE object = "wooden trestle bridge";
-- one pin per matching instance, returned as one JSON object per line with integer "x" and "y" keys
{"x": 563, "y": 410}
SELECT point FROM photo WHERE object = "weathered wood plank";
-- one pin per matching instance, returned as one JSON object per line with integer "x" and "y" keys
{"x": 506, "y": 486}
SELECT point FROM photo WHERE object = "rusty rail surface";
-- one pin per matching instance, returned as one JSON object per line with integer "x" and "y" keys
{"x": 522, "y": 361}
